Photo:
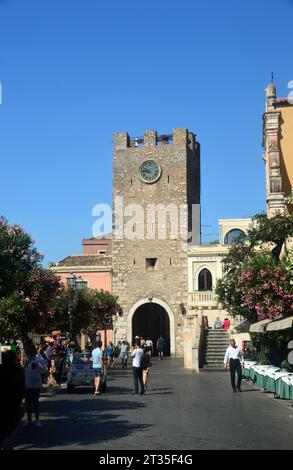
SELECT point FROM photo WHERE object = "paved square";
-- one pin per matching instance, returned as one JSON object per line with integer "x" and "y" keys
{"x": 181, "y": 411}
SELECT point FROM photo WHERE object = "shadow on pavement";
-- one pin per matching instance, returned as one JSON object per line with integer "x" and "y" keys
{"x": 82, "y": 422}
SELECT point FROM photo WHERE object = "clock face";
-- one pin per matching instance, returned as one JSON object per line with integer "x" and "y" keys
{"x": 150, "y": 171}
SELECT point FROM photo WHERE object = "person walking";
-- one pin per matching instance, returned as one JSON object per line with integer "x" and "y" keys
{"x": 98, "y": 365}
{"x": 160, "y": 347}
{"x": 234, "y": 359}
{"x": 137, "y": 354}
{"x": 145, "y": 365}
{"x": 35, "y": 367}
{"x": 226, "y": 324}
{"x": 124, "y": 353}
{"x": 218, "y": 324}
{"x": 110, "y": 353}
{"x": 150, "y": 346}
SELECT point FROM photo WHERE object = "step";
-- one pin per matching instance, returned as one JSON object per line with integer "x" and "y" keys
{"x": 214, "y": 355}
{"x": 217, "y": 332}
{"x": 205, "y": 367}
{"x": 216, "y": 340}
{"x": 224, "y": 340}
{"x": 213, "y": 366}
{"x": 215, "y": 350}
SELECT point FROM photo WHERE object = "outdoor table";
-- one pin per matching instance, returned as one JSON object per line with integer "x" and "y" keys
{"x": 247, "y": 368}
{"x": 269, "y": 381}
{"x": 259, "y": 374}
{"x": 285, "y": 387}
{"x": 278, "y": 380}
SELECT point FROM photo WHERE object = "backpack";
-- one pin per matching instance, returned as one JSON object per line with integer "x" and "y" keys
{"x": 145, "y": 361}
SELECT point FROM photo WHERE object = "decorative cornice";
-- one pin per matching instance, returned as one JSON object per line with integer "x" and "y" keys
{"x": 80, "y": 269}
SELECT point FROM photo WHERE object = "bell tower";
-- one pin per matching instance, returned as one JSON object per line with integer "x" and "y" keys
{"x": 156, "y": 197}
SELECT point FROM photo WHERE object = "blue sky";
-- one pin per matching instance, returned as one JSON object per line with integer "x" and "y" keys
{"x": 75, "y": 71}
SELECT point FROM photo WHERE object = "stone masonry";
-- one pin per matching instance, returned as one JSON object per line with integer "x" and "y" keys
{"x": 179, "y": 184}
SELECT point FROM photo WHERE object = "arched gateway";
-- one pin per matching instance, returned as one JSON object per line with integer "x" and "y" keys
{"x": 151, "y": 319}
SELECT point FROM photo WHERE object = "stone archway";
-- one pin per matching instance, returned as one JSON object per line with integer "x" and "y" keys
{"x": 165, "y": 320}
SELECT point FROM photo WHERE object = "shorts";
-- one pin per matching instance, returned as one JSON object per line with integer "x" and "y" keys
{"x": 99, "y": 372}
{"x": 32, "y": 395}
{"x": 123, "y": 356}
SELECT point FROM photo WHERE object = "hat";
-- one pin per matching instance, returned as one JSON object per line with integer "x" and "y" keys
{"x": 55, "y": 333}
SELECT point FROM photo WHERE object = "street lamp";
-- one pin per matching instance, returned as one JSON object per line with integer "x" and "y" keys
{"x": 71, "y": 280}
{"x": 75, "y": 286}
{"x": 80, "y": 284}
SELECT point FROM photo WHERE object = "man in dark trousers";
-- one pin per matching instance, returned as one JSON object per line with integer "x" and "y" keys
{"x": 137, "y": 355}
{"x": 234, "y": 359}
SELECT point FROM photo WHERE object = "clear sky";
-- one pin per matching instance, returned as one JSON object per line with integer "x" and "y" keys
{"x": 75, "y": 71}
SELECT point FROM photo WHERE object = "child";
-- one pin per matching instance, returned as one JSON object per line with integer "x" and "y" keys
{"x": 35, "y": 367}
{"x": 53, "y": 371}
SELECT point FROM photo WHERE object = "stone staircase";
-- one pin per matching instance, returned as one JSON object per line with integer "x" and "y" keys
{"x": 213, "y": 348}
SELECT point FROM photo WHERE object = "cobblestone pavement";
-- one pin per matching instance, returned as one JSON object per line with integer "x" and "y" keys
{"x": 181, "y": 411}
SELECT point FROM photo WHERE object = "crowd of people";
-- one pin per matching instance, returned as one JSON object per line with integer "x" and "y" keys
{"x": 219, "y": 325}
{"x": 141, "y": 354}
{"x": 31, "y": 366}
{"x": 25, "y": 370}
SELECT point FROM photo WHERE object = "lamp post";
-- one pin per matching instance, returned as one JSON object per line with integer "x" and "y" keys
{"x": 75, "y": 286}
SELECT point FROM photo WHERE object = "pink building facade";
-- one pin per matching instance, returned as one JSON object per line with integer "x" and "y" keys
{"x": 94, "y": 266}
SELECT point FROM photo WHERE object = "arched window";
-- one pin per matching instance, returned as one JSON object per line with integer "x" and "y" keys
{"x": 233, "y": 236}
{"x": 205, "y": 280}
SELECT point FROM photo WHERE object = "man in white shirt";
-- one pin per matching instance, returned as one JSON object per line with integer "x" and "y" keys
{"x": 234, "y": 358}
{"x": 137, "y": 354}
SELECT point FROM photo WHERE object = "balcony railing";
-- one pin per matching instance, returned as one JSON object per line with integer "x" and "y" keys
{"x": 202, "y": 299}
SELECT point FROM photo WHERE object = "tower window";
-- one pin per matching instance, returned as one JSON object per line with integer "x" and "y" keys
{"x": 205, "y": 280}
{"x": 150, "y": 263}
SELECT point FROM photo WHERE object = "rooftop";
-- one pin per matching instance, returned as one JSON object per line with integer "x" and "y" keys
{"x": 85, "y": 260}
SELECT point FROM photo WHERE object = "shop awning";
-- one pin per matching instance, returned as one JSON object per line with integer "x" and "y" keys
{"x": 280, "y": 324}
{"x": 243, "y": 327}
{"x": 259, "y": 327}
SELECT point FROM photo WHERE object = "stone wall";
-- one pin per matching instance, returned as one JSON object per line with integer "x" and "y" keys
{"x": 178, "y": 184}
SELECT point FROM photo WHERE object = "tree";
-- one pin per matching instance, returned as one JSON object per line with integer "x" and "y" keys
{"x": 94, "y": 310}
{"x": 267, "y": 233}
{"x": 18, "y": 257}
{"x": 28, "y": 292}
{"x": 104, "y": 307}
{"x": 258, "y": 288}
{"x": 257, "y": 283}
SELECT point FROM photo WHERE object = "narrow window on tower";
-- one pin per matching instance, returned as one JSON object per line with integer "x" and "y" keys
{"x": 168, "y": 179}
{"x": 131, "y": 182}
{"x": 134, "y": 261}
{"x": 150, "y": 263}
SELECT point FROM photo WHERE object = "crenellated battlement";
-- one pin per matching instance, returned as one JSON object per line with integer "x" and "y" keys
{"x": 180, "y": 136}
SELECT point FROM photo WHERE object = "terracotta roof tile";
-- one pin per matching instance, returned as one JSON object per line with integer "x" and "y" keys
{"x": 86, "y": 260}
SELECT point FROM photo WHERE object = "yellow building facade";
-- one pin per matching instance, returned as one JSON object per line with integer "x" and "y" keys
{"x": 278, "y": 151}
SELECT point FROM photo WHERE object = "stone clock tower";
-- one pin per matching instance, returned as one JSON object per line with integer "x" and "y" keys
{"x": 156, "y": 197}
